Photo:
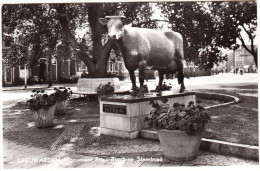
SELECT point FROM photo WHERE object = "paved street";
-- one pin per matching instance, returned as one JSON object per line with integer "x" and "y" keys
{"x": 24, "y": 156}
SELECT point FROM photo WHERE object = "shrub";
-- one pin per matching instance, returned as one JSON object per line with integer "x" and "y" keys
{"x": 62, "y": 93}
{"x": 105, "y": 90}
{"x": 68, "y": 79}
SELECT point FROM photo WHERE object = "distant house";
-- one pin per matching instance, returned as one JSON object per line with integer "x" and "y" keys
{"x": 244, "y": 60}
{"x": 14, "y": 75}
{"x": 239, "y": 59}
{"x": 62, "y": 69}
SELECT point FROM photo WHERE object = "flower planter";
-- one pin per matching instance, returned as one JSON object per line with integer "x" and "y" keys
{"x": 178, "y": 145}
{"x": 61, "y": 107}
{"x": 44, "y": 118}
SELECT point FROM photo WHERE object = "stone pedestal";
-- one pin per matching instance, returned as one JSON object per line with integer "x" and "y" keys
{"x": 90, "y": 84}
{"x": 123, "y": 116}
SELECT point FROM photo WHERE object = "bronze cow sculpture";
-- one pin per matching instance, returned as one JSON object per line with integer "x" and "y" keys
{"x": 142, "y": 47}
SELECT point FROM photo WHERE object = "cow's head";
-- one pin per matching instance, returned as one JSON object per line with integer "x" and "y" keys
{"x": 114, "y": 25}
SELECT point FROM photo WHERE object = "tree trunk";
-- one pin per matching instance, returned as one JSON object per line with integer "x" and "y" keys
{"x": 97, "y": 65}
{"x": 94, "y": 13}
{"x": 50, "y": 71}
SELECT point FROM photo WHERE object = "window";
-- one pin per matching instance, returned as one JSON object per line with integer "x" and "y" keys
{"x": 120, "y": 66}
{"x": 116, "y": 66}
{"x": 111, "y": 66}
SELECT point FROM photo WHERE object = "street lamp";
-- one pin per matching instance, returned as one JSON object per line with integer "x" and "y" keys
{"x": 25, "y": 76}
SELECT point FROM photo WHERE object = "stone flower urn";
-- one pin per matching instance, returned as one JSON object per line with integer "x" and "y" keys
{"x": 61, "y": 107}
{"x": 44, "y": 117}
{"x": 178, "y": 145}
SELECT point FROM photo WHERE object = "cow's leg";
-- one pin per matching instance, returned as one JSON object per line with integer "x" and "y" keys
{"x": 133, "y": 80}
{"x": 142, "y": 67}
{"x": 161, "y": 73}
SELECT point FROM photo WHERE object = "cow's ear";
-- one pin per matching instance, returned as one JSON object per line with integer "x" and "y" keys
{"x": 103, "y": 21}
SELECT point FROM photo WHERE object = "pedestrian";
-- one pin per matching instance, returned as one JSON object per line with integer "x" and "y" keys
{"x": 84, "y": 74}
{"x": 241, "y": 72}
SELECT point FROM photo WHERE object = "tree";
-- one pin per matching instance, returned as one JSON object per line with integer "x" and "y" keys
{"x": 232, "y": 18}
{"x": 207, "y": 27}
{"x": 48, "y": 21}
{"x": 195, "y": 25}
{"x": 33, "y": 33}
{"x": 97, "y": 60}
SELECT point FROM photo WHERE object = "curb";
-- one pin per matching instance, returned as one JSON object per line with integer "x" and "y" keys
{"x": 220, "y": 147}
{"x": 228, "y": 99}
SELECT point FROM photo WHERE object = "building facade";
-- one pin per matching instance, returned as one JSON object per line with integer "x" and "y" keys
{"x": 237, "y": 60}
{"x": 243, "y": 60}
{"x": 67, "y": 69}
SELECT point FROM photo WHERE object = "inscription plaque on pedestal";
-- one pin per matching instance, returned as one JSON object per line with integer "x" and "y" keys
{"x": 117, "y": 109}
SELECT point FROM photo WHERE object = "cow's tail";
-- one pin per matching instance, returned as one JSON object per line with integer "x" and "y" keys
{"x": 180, "y": 71}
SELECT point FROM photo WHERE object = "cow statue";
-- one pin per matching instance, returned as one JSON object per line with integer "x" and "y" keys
{"x": 142, "y": 47}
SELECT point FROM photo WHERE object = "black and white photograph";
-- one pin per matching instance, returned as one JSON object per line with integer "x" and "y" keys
{"x": 129, "y": 84}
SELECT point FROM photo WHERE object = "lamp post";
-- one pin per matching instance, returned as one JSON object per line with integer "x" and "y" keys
{"x": 25, "y": 76}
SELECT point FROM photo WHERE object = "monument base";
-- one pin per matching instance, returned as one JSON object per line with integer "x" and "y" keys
{"x": 123, "y": 116}
{"x": 119, "y": 133}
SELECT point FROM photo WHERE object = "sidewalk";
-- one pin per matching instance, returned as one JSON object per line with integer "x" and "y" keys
{"x": 25, "y": 157}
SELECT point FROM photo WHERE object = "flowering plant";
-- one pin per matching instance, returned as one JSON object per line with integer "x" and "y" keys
{"x": 62, "y": 93}
{"x": 191, "y": 119}
{"x": 164, "y": 87}
{"x": 40, "y": 100}
{"x": 105, "y": 90}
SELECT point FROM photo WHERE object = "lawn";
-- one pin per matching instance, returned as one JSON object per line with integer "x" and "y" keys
{"x": 237, "y": 123}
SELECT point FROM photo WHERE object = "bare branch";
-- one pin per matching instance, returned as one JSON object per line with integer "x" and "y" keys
{"x": 251, "y": 39}
{"x": 243, "y": 43}
{"x": 76, "y": 47}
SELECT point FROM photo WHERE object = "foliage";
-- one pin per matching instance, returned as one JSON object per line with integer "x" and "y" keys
{"x": 207, "y": 27}
{"x": 36, "y": 31}
{"x": 62, "y": 93}
{"x": 165, "y": 87}
{"x": 31, "y": 31}
{"x": 105, "y": 90}
{"x": 191, "y": 119}
{"x": 233, "y": 18}
{"x": 39, "y": 30}
{"x": 40, "y": 100}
